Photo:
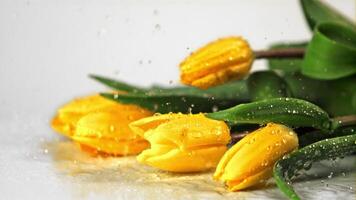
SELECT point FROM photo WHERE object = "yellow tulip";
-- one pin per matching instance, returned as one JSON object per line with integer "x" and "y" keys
{"x": 68, "y": 115}
{"x": 101, "y": 125}
{"x": 218, "y": 62}
{"x": 182, "y": 143}
{"x": 250, "y": 161}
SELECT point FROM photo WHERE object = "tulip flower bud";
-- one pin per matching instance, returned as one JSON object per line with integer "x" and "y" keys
{"x": 216, "y": 63}
{"x": 250, "y": 161}
{"x": 182, "y": 143}
{"x": 68, "y": 115}
{"x": 109, "y": 132}
{"x": 101, "y": 125}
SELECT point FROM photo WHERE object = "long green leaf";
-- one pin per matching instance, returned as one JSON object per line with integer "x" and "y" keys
{"x": 232, "y": 90}
{"x": 315, "y": 136}
{"x": 117, "y": 85}
{"x": 285, "y": 169}
{"x": 331, "y": 54}
{"x": 172, "y": 103}
{"x": 178, "y": 99}
{"x": 315, "y": 12}
{"x": 288, "y": 111}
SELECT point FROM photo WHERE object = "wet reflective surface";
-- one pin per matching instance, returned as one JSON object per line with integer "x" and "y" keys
{"x": 44, "y": 165}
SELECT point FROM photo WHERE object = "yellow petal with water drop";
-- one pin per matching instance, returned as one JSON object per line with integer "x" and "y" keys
{"x": 249, "y": 160}
{"x": 182, "y": 143}
{"x": 101, "y": 124}
{"x": 218, "y": 62}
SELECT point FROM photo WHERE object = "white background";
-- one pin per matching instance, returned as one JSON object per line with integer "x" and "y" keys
{"x": 48, "y": 47}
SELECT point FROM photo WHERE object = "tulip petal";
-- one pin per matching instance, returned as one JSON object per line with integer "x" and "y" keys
{"x": 66, "y": 129}
{"x": 176, "y": 160}
{"x": 124, "y": 147}
{"x": 234, "y": 72}
{"x": 108, "y": 125}
{"x": 248, "y": 161}
{"x": 263, "y": 147}
{"x": 191, "y": 131}
{"x": 142, "y": 125}
{"x": 101, "y": 124}
{"x": 217, "y": 62}
{"x": 86, "y": 104}
{"x": 182, "y": 143}
{"x": 253, "y": 180}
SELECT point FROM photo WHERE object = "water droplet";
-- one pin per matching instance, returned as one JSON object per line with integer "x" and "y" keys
{"x": 331, "y": 175}
{"x": 112, "y": 128}
{"x": 264, "y": 163}
{"x": 307, "y": 165}
{"x": 158, "y": 27}
{"x": 108, "y": 17}
{"x": 155, "y": 12}
{"x": 101, "y": 32}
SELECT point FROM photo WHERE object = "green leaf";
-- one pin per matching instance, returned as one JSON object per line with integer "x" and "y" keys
{"x": 316, "y": 12}
{"x": 178, "y": 99}
{"x": 232, "y": 90}
{"x": 334, "y": 96}
{"x": 315, "y": 136}
{"x": 331, "y": 54}
{"x": 285, "y": 169}
{"x": 337, "y": 97}
{"x": 287, "y": 111}
{"x": 266, "y": 85}
{"x": 303, "y": 87}
{"x": 117, "y": 85}
{"x": 286, "y": 65}
{"x": 164, "y": 103}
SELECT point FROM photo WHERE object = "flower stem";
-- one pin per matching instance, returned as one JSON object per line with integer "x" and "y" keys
{"x": 280, "y": 53}
{"x": 345, "y": 120}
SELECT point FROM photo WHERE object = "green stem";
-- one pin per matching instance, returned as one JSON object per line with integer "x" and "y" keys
{"x": 280, "y": 53}
{"x": 341, "y": 121}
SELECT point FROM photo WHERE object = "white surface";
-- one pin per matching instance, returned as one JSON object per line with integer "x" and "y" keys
{"x": 48, "y": 47}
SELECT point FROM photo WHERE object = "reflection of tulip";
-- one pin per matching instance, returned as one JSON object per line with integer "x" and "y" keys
{"x": 216, "y": 63}
{"x": 250, "y": 161}
{"x": 182, "y": 143}
{"x": 101, "y": 124}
